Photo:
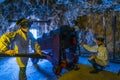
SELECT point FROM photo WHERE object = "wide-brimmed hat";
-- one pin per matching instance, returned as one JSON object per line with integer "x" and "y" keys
{"x": 23, "y": 22}
{"x": 101, "y": 39}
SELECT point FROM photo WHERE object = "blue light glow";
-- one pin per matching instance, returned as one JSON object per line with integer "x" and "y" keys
{"x": 2, "y": 1}
{"x": 34, "y": 32}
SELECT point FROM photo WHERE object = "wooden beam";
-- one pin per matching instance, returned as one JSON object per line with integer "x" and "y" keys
{"x": 24, "y": 55}
{"x": 31, "y": 20}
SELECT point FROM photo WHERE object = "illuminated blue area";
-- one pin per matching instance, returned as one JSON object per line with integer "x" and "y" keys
{"x": 112, "y": 67}
{"x": 34, "y": 32}
{"x": 2, "y": 1}
{"x": 9, "y": 70}
{"x": 107, "y": 1}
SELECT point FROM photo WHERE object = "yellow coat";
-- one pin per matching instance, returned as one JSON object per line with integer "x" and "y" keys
{"x": 36, "y": 46}
{"x": 102, "y": 54}
{"x": 6, "y": 39}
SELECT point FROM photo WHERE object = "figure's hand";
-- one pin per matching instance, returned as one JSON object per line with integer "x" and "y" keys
{"x": 10, "y": 52}
{"x": 92, "y": 57}
{"x": 81, "y": 44}
{"x": 39, "y": 52}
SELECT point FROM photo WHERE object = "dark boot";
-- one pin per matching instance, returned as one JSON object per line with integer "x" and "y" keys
{"x": 22, "y": 73}
{"x": 76, "y": 67}
{"x": 118, "y": 72}
{"x": 95, "y": 66}
{"x": 94, "y": 71}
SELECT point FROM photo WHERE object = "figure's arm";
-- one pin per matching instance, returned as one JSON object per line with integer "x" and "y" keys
{"x": 5, "y": 41}
{"x": 91, "y": 49}
{"x": 37, "y": 48}
{"x": 34, "y": 44}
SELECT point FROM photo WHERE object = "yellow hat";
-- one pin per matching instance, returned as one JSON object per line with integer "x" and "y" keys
{"x": 23, "y": 22}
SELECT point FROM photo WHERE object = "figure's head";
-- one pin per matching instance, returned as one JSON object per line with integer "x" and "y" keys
{"x": 100, "y": 40}
{"x": 24, "y": 24}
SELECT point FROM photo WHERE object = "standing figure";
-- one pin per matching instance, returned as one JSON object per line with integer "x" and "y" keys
{"x": 101, "y": 59}
{"x": 21, "y": 38}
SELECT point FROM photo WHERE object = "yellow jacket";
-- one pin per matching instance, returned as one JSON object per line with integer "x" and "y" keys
{"x": 5, "y": 40}
{"x": 102, "y": 54}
